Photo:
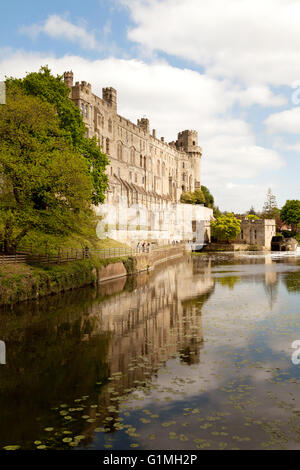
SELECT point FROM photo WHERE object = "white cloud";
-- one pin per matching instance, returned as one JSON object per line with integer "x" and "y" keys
{"x": 254, "y": 41}
{"x": 284, "y": 122}
{"x": 58, "y": 28}
{"x": 173, "y": 99}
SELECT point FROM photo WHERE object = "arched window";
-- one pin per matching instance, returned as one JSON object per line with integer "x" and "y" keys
{"x": 132, "y": 156}
{"x": 120, "y": 151}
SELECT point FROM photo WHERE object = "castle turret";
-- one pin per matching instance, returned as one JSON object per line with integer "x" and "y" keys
{"x": 109, "y": 95}
{"x": 68, "y": 78}
{"x": 143, "y": 123}
{"x": 188, "y": 142}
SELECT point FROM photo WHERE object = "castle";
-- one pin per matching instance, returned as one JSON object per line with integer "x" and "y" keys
{"x": 144, "y": 171}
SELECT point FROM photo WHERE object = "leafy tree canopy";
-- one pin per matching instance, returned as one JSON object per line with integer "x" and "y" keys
{"x": 209, "y": 199}
{"x": 53, "y": 90}
{"x": 252, "y": 217}
{"x": 44, "y": 182}
{"x": 290, "y": 213}
{"x": 226, "y": 227}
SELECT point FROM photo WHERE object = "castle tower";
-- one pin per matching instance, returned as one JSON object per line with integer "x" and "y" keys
{"x": 68, "y": 78}
{"x": 144, "y": 124}
{"x": 109, "y": 95}
{"x": 188, "y": 142}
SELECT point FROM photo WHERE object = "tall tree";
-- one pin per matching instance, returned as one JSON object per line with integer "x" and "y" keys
{"x": 53, "y": 90}
{"x": 44, "y": 183}
{"x": 270, "y": 209}
{"x": 209, "y": 199}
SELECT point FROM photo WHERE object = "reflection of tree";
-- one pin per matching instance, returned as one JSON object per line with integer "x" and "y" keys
{"x": 292, "y": 282}
{"x": 229, "y": 281}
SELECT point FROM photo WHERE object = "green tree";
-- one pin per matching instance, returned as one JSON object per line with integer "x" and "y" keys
{"x": 44, "y": 183}
{"x": 187, "y": 198}
{"x": 290, "y": 213}
{"x": 252, "y": 217}
{"x": 53, "y": 90}
{"x": 252, "y": 211}
{"x": 270, "y": 209}
{"x": 199, "y": 196}
{"x": 209, "y": 199}
{"x": 226, "y": 227}
{"x": 196, "y": 197}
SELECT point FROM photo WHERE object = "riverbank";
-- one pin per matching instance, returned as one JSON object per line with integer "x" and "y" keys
{"x": 19, "y": 282}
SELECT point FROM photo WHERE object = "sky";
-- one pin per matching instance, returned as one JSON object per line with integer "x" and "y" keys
{"x": 228, "y": 69}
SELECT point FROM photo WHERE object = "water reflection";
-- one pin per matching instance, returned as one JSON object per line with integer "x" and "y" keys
{"x": 114, "y": 365}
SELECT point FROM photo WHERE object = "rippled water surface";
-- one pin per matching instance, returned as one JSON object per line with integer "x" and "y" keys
{"x": 196, "y": 355}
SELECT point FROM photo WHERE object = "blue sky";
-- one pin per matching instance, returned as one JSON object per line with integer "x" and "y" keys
{"x": 229, "y": 69}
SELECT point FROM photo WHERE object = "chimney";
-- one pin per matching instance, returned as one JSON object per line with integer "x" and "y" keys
{"x": 154, "y": 133}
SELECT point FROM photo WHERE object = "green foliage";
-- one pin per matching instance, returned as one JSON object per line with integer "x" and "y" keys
{"x": 252, "y": 211}
{"x": 53, "y": 90}
{"x": 216, "y": 211}
{"x": 226, "y": 227}
{"x": 44, "y": 183}
{"x": 290, "y": 213}
{"x": 270, "y": 209}
{"x": 208, "y": 197}
{"x": 187, "y": 198}
{"x": 196, "y": 197}
{"x": 252, "y": 217}
{"x": 199, "y": 196}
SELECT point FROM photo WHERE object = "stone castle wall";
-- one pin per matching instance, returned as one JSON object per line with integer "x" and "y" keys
{"x": 146, "y": 175}
{"x": 257, "y": 232}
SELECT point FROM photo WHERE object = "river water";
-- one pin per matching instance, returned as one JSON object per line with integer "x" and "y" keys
{"x": 196, "y": 355}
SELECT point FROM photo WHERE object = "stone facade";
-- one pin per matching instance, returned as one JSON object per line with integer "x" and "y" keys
{"x": 146, "y": 175}
{"x": 141, "y": 165}
{"x": 257, "y": 232}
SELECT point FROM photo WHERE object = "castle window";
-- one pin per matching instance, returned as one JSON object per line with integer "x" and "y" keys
{"x": 158, "y": 168}
{"x": 109, "y": 125}
{"x": 143, "y": 180}
{"x": 107, "y": 146}
{"x": 135, "y": 178}
{"x": 120, "y": 152}
{"x": 145, "y": 163}
{"x": 141, "y": 161}
{"x": 132, "y": 157}
{"x": 194, "y": 143}
{"x": 82, "y": 109}
{"x": 183, "y": 165}
{"x": 86, "y": 110}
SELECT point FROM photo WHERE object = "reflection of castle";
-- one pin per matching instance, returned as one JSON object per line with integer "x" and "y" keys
{"x": 160, "y": 319}
{"x": 88, "y": 336}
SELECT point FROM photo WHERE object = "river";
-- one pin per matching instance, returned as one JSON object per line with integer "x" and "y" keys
{"x": 195, "y": 355}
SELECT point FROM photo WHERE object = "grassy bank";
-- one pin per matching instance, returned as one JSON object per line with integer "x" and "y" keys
{"x": 20, "y": 282}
